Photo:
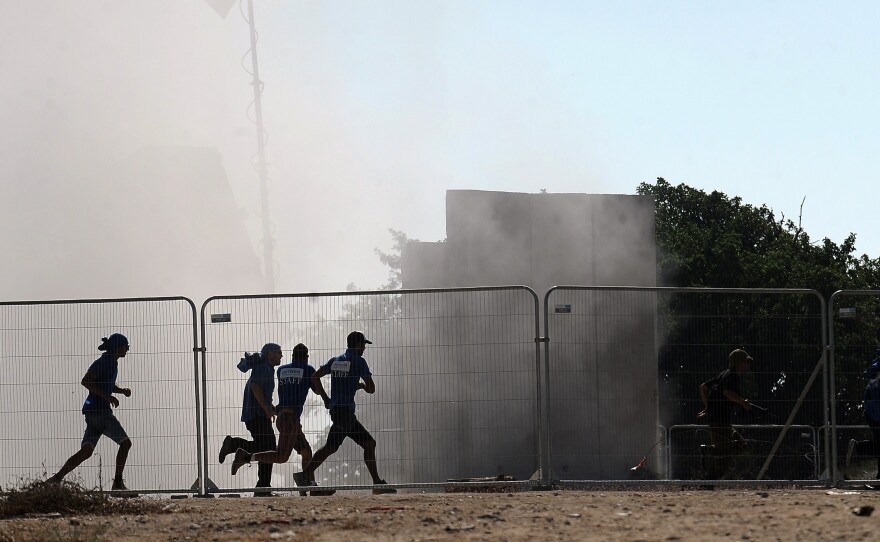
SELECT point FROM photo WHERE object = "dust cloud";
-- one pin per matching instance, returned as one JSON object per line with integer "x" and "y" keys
{"x": 127, "y": 157}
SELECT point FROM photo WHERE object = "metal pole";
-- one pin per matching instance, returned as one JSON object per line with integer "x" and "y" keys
{"x": 203, "y": 490}
{"x": 202, "y": 473}
{"x": 268, "y": 260}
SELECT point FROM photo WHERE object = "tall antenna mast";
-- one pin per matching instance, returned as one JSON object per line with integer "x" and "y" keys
{"x": 267, "y": 242}
{"x": 222, "y": 8}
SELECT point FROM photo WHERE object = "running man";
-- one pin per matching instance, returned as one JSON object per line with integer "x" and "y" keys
{"x": 871, "y": 410}
{"x": 294, "y": 382}
{"x": 100, "y": 380}
{"x": 349, "y": 373}
{"x": 720, "y": 395}
{"x": 257, "y": 412}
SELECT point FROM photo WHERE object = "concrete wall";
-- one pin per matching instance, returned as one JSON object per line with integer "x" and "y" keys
{"x": 539, "y": 240}
{"x": 604, "y": 411}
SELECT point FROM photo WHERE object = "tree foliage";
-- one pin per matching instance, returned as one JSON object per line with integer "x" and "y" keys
{"x": 393, "y": 259}
{"x": 713, "y": 240}
{"x": 710, "y": 239}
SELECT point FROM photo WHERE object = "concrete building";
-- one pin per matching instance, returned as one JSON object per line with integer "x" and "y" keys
{"x": 538, "y": 240}
{"x": 603, "y": 370}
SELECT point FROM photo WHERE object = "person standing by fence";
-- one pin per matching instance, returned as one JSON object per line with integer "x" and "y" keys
{"x": 720, "y": 395}
{"x": 349, "y": 373}
{"x": 871, "y": 409}
{"x": 100, "y": 380}
{"x": 257, "y": 412}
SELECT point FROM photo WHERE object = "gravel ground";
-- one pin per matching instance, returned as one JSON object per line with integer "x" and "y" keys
{"x": 813, "y": 514}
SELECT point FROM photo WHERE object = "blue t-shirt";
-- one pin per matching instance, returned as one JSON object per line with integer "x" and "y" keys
{"x": 262, "y": 374}
{"x": 294, "y": 382}
{"x": 872, "y": 391}
{"x": 105, "y": 368}
{"x": 345, "y": 373}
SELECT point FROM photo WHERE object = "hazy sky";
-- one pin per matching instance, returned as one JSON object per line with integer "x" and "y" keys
{"x": 375, "y": 108}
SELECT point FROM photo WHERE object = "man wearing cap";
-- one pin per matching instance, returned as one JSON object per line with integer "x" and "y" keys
{"x": 871, "y": 410}
{"x": 100, "y": 380}
{"x": 348, "y": 374}
{"x": 257, "y": 411}
{"x": 720, "y": 395}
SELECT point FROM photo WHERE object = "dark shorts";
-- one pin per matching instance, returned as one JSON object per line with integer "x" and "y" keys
{"x": 103, "y": 423}
{"x": 346, "y": 424}
{"x": 287, "y": 420}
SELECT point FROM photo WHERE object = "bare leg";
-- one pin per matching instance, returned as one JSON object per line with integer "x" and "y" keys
{"x": 289, "y": 430}
{"x": 319, "y": 457}
{"x": 370, "y": 460}
{"x": 74, "y": 461}
{"x": 306, "y": 455}
{"x": 280, "y": 455}
{"x": 122, "y": 457}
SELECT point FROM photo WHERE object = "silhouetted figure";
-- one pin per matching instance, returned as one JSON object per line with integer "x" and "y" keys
{"x": 100, "y": 380}
{"x": 871, "y": 409}
{"x": 257, "y": 412}
{"x": 294, "y": 383}
{"x": 348, "y": 374}
{"x": 720, "y": 395}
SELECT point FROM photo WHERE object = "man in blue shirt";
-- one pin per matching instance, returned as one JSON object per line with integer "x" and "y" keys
{"x": 871, "y": 409}
{"x": 100, "y": 380}
{"x": 348, "y": 374}
{"x": 257, "y": 411}
{"x": 294, "y": 383}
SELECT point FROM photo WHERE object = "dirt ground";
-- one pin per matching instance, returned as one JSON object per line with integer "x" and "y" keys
{"x": 728, "y": 514}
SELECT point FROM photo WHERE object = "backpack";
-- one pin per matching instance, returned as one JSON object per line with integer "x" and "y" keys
{"x": 247, "y": 362}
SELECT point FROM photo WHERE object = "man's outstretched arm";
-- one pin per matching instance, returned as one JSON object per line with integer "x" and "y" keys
{"x": 318, "y": 387}
{"x": 732, "y": 396}
{"x": 367, "y": 385}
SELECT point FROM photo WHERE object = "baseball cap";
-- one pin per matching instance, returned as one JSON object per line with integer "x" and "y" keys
{"x": 739, "y": 355}
{"x": 356, "y": 338}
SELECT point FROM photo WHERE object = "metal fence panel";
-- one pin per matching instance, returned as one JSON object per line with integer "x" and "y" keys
{"x": 602, "y": 392}
{"x": 797, "y": 458}
{"x": 854, "y": 343}
{"x": 864, "y": 464}
{"x": 622, "y": 360}
{"x": 46, "y": 349}
{"x": 455, "y": 371}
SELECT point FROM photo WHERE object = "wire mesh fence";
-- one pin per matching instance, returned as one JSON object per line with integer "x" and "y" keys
{"x": 623, "y": 360}
{"x": 462, "y": 391}
{"x": 858, "y": 457}
{"x": 797, "y": 457}
{"x": 854, "y": 338}
{"x": 46, "y": 349}
{"x": 456, "y": 375}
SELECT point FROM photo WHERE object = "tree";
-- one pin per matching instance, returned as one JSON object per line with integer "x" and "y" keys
{"x": 377, "y": 311}
{"x": 393, "y": 259}
{"x": 712, "y": 240}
